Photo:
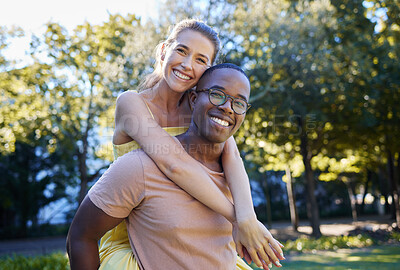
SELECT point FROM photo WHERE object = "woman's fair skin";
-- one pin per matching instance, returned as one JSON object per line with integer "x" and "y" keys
{"x": 183, "y": 63}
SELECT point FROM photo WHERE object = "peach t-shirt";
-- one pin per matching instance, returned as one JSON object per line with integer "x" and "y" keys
{"x": 170, "y": 229}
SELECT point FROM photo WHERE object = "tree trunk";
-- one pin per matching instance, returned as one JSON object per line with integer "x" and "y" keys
{"x": 82, "y": 155}
{"x": 395, "y": 193}
{"x": 384, "y": 189}
{"x": 369, "y": 177}
{"x": 292, "y": 200}
{"x": 352, "y": 199}
{"x": 312, "y": 206}
{"x": 268, "y": 202}
{"x": 397, "y": 172}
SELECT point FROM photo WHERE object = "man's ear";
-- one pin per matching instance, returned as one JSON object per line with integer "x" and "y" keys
{"x": 192, "y": 99}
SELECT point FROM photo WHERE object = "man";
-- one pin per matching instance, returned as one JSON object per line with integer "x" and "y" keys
{"x": 169, "y": 229}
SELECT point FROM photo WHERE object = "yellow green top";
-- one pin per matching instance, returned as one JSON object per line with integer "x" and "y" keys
{"x": 122, "y": 149}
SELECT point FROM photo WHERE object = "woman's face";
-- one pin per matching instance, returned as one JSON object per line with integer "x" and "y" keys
{"x": 186, "y": 59}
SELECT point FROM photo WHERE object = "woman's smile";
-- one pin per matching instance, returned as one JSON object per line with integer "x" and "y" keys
{"x": 181, "y": 75}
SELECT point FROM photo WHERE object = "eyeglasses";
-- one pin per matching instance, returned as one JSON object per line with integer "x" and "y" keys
{"x": 218, "y": 97}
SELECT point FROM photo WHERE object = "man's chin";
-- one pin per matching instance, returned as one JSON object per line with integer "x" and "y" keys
{"x": 218, "y": 138}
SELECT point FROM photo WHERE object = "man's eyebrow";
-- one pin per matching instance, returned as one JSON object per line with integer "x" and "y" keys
{"x": 187, "y": 48}
{"x": 222, "y": 88}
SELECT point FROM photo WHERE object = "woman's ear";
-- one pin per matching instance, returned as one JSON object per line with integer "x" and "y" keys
{"x": 163, "y": 51}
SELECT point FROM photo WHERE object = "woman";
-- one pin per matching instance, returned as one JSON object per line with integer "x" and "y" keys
{"x": 149, "y": 118}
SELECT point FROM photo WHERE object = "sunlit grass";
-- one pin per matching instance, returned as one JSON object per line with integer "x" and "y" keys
{"x": 382, "y": 257}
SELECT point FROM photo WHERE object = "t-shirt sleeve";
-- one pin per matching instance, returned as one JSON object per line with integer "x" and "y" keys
{"x": 121, "y": 188}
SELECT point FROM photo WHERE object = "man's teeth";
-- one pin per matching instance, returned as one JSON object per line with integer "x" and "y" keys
{"x": 180, "y": 75}
{"x": 220, "y": 121}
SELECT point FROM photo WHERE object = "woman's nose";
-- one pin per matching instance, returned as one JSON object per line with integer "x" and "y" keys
{"x": 186, "y": 63}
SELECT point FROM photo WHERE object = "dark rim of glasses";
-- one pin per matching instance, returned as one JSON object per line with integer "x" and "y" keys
{"x": 226, "y": 99}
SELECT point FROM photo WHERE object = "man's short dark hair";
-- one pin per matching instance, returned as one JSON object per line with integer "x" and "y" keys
{"x": 209, "y": 71}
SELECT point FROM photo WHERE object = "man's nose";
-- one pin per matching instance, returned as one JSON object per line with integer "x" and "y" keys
{"x": 227, "y": 106}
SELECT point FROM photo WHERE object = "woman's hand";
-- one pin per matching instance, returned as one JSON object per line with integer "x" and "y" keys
{"x": 255, "y": 243}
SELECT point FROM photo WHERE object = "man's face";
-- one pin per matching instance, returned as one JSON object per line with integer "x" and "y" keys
{"x": 218, "y": 123}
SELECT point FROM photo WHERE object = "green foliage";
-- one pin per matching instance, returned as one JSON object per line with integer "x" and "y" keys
{"x": 328, "y": 243}
{"x": 55, "y": 261}
{"x": 395, "y": 236}
{"x": 32, "y": 178}
{"x": 324, "y": 75}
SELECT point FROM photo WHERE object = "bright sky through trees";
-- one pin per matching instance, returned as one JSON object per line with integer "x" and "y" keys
{"x": 32, "y": 15}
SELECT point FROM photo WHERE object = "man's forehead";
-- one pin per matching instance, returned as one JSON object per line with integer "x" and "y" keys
{"x": 228, "y": 79}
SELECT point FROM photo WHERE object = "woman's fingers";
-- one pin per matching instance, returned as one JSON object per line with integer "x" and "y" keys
{"x": 263, "y": 256}
{"x": 266, "y": 265}
{"x": 246, "y": 256}
{"x": 273, "y": 243}
{"x": 279, "y": 243}
{"x": 239, "y": 249}
{"x": 271, "y": 255}
{"x": 254, "y": 257}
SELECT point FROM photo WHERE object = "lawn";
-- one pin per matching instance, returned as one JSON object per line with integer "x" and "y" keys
{"x": 382, "y": 257}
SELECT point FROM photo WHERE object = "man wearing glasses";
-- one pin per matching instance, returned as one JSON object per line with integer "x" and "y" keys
{"x": 169, "y": 229}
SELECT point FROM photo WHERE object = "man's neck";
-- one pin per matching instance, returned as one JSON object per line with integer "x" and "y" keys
{"x": 204, "y": 151}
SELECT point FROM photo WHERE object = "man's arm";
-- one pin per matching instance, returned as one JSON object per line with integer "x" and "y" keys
{"x": 88, "y": 226}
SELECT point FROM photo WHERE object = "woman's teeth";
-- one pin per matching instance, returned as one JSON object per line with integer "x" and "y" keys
{"x": 220, "y": 121}
{"x": 180, "y": 75}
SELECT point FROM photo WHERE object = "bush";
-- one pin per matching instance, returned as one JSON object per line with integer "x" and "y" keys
{"x": 55, "y": 261}
{"x": 328, "y": 243}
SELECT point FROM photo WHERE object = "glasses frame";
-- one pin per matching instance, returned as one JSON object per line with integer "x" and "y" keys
{"x": 209, "y": 90}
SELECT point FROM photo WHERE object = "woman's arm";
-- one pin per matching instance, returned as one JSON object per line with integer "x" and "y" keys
{"x": 134, "y": 120}
{"x": 249, "y": 232}
{"x": 238, "y": 181}
{"x": 88, "y": 226}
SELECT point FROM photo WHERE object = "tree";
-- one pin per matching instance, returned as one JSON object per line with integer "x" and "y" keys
{"x": 92, "y": 66}
{"x": 34, "y": 174}
{"x": 385, "y": 88}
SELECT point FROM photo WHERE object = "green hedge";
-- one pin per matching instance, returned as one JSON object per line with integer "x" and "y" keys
{"x": 329, "y": 243}
{"x": 55, "y": 261}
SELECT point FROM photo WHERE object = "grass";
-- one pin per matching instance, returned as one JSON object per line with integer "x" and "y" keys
{"x": 382, "y": 257}
{"x": 55, "y": 261}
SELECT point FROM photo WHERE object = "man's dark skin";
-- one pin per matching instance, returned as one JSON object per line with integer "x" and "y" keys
{"x": 204, "y": 141}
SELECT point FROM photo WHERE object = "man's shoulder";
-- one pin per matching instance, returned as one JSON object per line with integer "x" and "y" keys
{"x": 136, "y": 158}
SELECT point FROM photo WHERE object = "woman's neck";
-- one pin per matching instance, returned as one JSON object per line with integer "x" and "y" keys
{"x": 162, "y": 96}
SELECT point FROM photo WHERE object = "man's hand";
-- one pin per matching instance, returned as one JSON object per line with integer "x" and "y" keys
{"x": 255, "y": 243}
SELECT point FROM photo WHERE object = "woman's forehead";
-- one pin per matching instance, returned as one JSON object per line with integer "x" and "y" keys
{"x": 195, "y": 41}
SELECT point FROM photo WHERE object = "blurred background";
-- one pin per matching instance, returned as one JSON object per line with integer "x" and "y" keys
{"x": 321, "y": 141}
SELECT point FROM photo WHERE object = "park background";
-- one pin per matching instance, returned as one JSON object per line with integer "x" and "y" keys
{"x": 320, "y": 141}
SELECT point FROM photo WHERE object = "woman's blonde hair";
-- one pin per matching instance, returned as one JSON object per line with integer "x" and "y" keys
{"x": 188, "y": 24}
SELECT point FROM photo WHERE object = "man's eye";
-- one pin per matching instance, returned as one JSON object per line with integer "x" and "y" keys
{"x": 217, "y": 95}
{"x": 240, "y": 104}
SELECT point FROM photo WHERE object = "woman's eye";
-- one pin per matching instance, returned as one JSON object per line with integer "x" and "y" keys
{"x": 180, "y": 50}
{"x": 201, "y": 60}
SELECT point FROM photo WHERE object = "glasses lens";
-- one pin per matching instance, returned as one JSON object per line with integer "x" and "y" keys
{"x": 239, "y": 106}
{"x": 217, "y": 97}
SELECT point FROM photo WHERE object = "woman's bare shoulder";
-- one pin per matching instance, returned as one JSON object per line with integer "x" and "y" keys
{"x": 127, "y": 95}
